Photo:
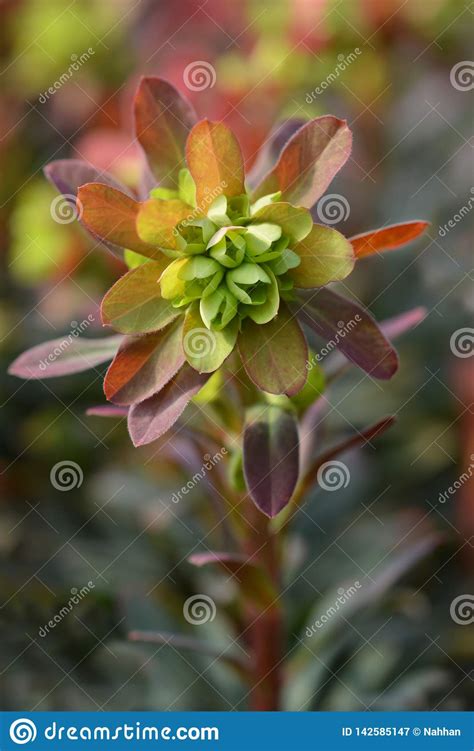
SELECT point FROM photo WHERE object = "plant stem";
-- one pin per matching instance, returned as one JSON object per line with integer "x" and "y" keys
{"x": 265, "y": 627}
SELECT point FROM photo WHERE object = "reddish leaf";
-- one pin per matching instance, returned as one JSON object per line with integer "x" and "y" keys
{"x": 350, "y": 328}
{"x": 272, "y": 148}
{"x": 275, "y": 354}
{"x": 309, "y": 161}
{"x": 254, "y": 582}
{"x": 386, "y": 238}
{"x": 134, "y": 304}
{"x": 271, "y": 458}
{"x": 150, "y": 419}
{"x": 111, "y": 215}
{"x": 144, "y": 364}
{"x": 107, "y": 410}
{"x": 64, "y": 356}
{"x": 157, "y": 219}
{"x": 67, "y": 175}
{"x": 215, "y": 161}
{"x": 163, "y": 119}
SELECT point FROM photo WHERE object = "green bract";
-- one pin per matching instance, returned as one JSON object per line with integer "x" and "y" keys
{"x": 227, "y": 257}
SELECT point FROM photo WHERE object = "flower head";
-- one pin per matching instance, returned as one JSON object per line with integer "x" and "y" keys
{"x": 221, "y": 260}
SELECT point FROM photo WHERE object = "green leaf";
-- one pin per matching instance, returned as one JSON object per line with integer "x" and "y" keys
{"x": 271, "y": 457}
{"x": 325, "y": 256}
{"x": 215, "y": 162}
{"x": 156, "y": 221}
{"x": 309, "y": 161}
{"x": 274, "y": 355}
{"x": 163, "y": 119}
{"x": 295, "y": 222}
{"x": 134, "y": 304}
{"x": 206, "y": 350}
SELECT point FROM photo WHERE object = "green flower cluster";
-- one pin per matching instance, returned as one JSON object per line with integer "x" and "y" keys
{"x": 232, "y": 262}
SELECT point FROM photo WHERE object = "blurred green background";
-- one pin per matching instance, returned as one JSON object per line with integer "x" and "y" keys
{"x": 385, "y": 65}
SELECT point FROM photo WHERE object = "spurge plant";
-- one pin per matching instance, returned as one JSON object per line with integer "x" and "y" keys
{"x": 221, "y": 262}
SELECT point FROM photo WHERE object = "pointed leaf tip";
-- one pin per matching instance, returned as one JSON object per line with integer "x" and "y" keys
{"x": 386, "y": 238}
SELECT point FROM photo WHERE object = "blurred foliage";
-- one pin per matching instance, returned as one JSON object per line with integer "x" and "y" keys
{"x": 120, "y": 527}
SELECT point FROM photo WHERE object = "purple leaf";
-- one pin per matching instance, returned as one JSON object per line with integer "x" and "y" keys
{"x": 148, "y": 420}
{"x": 163, "y": 119}
{"x": 107, "y": 410}
{"x": 398, "y": 325}
{"x": 271, "y": 458}
{"x": 346, "y": 325}
{"x": 64, "y": 356}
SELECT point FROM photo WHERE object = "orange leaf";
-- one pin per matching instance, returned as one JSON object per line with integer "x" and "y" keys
{"x": 386, "y": 238}
{"x": 215, "y": 161}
